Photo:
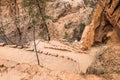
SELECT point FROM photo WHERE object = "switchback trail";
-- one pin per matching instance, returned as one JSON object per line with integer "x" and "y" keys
{"x": 83, "y": 61}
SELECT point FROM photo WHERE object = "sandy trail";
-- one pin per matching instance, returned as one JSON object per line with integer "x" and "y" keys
{"x": 22, "y": 56}
{"x": 53, "y": 63}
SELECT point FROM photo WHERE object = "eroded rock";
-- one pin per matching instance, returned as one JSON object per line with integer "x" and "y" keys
{"x": 105, "y": 21}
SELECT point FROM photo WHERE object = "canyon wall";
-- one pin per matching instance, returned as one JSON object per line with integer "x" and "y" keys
{"x": 105, "y": 25}
{"x": 67, "y": 20}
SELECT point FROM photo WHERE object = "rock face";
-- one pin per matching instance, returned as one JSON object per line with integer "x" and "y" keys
{"x": 105, "y": 24}
{"x": 67, "y": 17}
{"x": 13, "y": 21}
{"x": 67, "y": 20}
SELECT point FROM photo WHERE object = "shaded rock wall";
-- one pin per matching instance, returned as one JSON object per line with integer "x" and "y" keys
{"x": 66, "y": 17}
{"x": 104, "y": 24}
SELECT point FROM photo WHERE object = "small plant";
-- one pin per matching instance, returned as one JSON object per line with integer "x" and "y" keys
{"x": 82, "y": 27}
{"x": 66, "y": 36}
{"x": 86, "y": 2}
{"x": 77, "y": 32}
{"x": 42, "y": 33}
{"x": 92, "y": 4}
{"x": 89, "y": 18}
{"x": 68, "y": 25}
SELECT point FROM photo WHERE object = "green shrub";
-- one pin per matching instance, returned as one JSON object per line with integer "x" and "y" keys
{"x": 68, "y": 25}
{"x": 66, "y": 36}
{"x": 77, "y": 32}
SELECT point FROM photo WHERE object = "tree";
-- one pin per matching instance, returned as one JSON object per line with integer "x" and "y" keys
{"x": 36, "y": 10}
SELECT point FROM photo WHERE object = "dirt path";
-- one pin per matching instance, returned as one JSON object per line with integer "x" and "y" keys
{"x": 53, "y": 63}
{"x": 19, "y": 64}
{"x": 22, "y": 56}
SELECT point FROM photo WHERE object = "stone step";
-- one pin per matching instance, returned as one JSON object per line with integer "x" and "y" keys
{"x": 2, "y": 44}
{"x": 29, "y": 49}
{"x": 12, "y": 46}
{"x": 19, "y": 47}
